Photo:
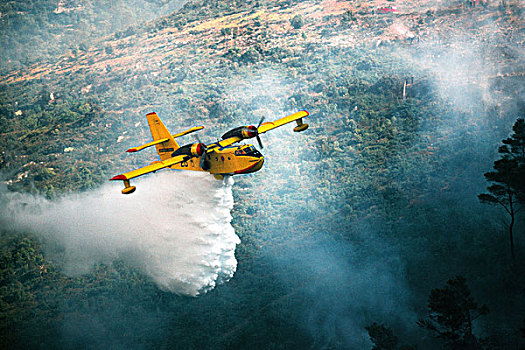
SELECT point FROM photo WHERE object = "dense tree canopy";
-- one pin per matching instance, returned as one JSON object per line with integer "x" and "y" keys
{"x": 349, "y": 223}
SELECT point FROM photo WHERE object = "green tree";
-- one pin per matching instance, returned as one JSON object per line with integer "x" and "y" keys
{"x": 250, "y": 56}
{"x": 508, "y": 177}
{"x": 515, "y": 148}
{"x": 297, "y": 21}
{"x": 348, "y": 16}
{"x": 383, "y": 337}
{"x": 451, "y": 311}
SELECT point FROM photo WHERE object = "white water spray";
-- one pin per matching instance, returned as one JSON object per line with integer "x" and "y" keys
{"x": 175, "y": 228}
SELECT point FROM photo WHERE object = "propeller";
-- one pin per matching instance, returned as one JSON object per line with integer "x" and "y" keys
{"x": 257, "y": 136}
{"x": 202, "y": 158}
{"x": 202, "y": 162}
{"x": 245, "y": 132}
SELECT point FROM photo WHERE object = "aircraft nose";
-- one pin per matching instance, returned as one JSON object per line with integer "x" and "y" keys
{"x": 259, "y": 163}
{"x": 256, "y": 165}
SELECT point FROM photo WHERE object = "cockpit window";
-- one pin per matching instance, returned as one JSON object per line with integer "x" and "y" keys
{"x": 248, "y": 151}
{"x": 253, "y": 152}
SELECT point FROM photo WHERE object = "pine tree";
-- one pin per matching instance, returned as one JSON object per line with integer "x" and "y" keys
{"x": 451, "y": 311}
{"x": 508, "y": 178}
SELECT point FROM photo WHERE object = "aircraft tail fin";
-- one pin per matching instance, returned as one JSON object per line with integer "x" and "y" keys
{"x": 158, "y": 132}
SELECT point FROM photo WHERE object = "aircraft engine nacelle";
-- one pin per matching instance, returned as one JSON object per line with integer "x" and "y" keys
{"x": 192, "y": 150}
{"x": 243, "y": 132}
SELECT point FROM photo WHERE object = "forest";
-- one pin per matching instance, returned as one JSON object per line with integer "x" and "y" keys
{"x": 394, "y": 222}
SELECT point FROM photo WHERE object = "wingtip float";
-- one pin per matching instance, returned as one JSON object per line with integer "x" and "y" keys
{"x": 219, "y": 158}
{"x": 127, "y": 187}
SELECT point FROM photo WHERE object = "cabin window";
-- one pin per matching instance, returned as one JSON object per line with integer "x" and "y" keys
{"x": 222, "y": 158}
{"x": 229, "y": 158}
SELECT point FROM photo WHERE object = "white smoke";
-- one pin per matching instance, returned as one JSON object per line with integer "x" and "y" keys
{"x": 175, "y": 228}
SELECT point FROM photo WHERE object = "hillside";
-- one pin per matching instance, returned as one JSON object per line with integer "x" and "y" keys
{"x": 185, "y": 64}
{"x": 39, "y": 31}
{"x": 350, "y": 223}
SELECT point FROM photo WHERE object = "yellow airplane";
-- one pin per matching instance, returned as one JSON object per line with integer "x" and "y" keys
{"x": 219, "y": 158}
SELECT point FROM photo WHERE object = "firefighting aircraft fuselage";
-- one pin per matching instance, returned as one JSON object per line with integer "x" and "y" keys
{"x": 219, "y": 158}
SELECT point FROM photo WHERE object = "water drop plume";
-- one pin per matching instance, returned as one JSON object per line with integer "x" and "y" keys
{"x": 175, "y": 228}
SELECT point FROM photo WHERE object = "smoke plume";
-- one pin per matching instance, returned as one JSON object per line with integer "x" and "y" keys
{"x": 175, "y": 228}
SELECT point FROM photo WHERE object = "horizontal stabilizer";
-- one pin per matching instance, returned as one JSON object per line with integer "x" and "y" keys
{"x": 152, "y": 143}
{"x": 156, "y": 142}
{"x": 189, "y": 131}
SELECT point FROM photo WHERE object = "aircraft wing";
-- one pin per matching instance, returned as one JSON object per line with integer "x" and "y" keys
{"x": 279, "y": 122}
{"x": 224, "y": 143}
{"x": 297, "y": 117}
{"x": 151, "y": 168}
